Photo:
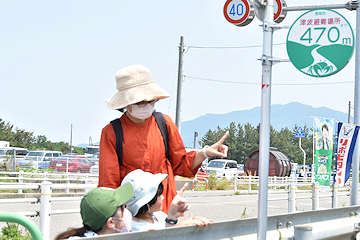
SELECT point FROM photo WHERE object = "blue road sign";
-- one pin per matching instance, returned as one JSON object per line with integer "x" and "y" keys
{"x": 299, "y": 133}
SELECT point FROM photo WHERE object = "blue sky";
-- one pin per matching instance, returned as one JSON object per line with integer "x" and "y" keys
{"x": 59, "y": 59}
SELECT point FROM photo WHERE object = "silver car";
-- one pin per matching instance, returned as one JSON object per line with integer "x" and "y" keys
{"x": 39, "y": 159}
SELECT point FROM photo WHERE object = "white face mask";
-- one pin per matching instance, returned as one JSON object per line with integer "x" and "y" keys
{"x": 141, "y": 112}
{"x": 127, "y": 219}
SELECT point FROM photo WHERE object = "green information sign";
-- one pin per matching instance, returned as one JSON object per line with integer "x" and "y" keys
{"x": 320, "y": 42}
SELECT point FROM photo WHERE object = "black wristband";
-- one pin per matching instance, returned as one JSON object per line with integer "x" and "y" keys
{"x": 171, "y": 221}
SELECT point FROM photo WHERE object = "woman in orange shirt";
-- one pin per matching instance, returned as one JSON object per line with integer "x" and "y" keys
{"x": 143, "y": 145}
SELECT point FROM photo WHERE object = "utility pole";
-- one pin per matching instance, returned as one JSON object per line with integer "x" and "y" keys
{"x": 195, "y": 135}
{"x": 264, "y": 146}
{"x": 71, "y": 139}
{"x": 179, "y": 85}
{"x": 349, "y": 113}
{"x": 355, "y": 175}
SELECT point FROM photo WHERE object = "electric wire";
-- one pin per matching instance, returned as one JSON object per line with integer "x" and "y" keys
{"x": 278, "y": 84}
{"x": 254, "y": 46}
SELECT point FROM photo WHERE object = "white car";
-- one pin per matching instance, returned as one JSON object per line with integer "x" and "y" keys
{"x": 222, "y": 168}
{"x": 94, "y": 169}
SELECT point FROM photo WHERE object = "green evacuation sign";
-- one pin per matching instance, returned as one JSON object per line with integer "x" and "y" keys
{"x": 320, "y": 42}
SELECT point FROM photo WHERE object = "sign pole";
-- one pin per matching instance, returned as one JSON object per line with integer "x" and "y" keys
{"x": 265, "y": 120}
{"x": 355, "y": 170}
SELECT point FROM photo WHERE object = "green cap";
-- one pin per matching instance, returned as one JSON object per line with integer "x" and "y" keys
{"x": 101, "y": 203}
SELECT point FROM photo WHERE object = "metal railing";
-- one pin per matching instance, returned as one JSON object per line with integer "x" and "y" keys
{"x": 22, "y": 177}
{"x": 45, "y": 200}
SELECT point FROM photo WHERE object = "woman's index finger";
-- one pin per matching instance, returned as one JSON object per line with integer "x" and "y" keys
{"x": 222, "y": 139}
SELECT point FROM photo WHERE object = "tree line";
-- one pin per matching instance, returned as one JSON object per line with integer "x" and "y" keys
{"x": 245, "y": 138}
{"x": 24, "y": 139}
{"x": 242, "y": 140}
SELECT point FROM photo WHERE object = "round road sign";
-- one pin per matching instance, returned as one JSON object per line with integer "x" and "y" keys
{"x": 239, "y": 12}
{"x": 320, "y": 42}
{"x": 279, "y": 15}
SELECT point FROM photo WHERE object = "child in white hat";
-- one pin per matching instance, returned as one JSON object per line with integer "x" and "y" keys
{"x": 146, "y": 203}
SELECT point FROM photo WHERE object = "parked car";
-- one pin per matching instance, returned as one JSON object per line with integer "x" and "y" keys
{"x": 95, "y": 158}
{"x": 8, "y": 152}
{"x": 95, "y": 169}
{"x": 222, "y": 168}
{"x": 39, "y": 159}
{"x": 240, "y": 171}
{"x": 71, "y": 163}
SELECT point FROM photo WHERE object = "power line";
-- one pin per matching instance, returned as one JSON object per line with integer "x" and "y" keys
{"x": 255, "y": 46}
{"x": 278, "y": 84}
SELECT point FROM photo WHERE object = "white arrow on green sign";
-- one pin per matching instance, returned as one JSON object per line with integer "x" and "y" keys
{"x": 320, "y": 42}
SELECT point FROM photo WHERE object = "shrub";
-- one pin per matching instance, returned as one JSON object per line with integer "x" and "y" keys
{"x": 212, "y": 181}
{"x": 223, "y": 184}
{"x": 12, "y": 231}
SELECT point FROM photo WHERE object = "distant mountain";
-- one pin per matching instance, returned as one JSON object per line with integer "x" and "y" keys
{"x": 281, "y": 116}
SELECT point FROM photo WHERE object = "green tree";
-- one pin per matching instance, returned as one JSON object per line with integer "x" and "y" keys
{"x": 243, "y": 139}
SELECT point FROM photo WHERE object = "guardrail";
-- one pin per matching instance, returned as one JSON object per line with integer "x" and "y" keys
{"x": 46, "y": 188}
{"x": 339, "y": 224}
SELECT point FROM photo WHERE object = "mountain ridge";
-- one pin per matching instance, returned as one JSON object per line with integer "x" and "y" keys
{"x": 281, "y": 116}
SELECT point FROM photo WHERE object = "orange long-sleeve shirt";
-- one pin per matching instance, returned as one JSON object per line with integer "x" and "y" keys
{"x": 143, "y": 147}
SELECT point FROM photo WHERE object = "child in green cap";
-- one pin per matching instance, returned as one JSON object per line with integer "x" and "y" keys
{"x": 102, "y": 211}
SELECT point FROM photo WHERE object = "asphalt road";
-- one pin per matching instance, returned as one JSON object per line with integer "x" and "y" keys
{"x": 216, "y": 205}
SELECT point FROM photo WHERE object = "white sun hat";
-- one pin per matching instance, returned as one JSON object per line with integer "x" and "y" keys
{"x": 134, "y": 84}
{"x": 145, "y": 188}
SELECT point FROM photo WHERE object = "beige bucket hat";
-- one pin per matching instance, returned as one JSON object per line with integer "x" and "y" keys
{"x": 134, "y": 84}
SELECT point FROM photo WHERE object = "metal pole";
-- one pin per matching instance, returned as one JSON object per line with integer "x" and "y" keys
{"x": 315, "y": 196}
{"x": 349, "y": 113}
{"x": 292, "y": 198}
{"x": 195, "y": 135}
{"x": 71, "y": 139}
{"x": 21, "y": 180}
{"x": 349, "y": 5}
{"x": 265, "y": 120}
{"x": 249, "y": 182}
{"x": 235, "y": 184}
{"x": 335, "y": 195}
{"x": 179, "y": 86}
{"x": 14, "y": 163}
{"x": 87, "y": 182}
{"x": 355, "y": 170}
{"x": 304, "y": 157}
{"x": 45, "y": 209}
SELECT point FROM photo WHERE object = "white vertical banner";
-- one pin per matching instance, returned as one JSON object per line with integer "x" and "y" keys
{"x": 347, "y": 135}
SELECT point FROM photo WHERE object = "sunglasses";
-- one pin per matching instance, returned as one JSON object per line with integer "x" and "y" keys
{"x": 144, "y": 103}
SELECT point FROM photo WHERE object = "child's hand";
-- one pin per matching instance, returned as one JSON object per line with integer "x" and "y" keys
{"x": 179, "y": 204}
{"x": 198, "y": 221}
